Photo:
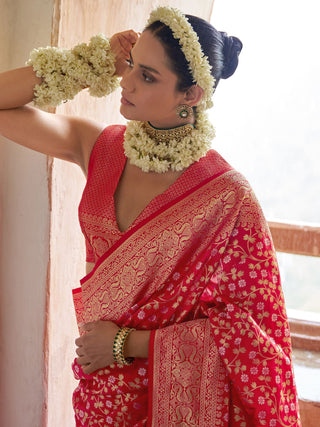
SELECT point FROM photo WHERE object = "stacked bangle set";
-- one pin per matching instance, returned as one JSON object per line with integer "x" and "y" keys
{"x": 118, "y": 346}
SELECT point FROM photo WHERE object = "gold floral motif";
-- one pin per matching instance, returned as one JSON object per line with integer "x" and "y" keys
{"x": 202, "y": 212}
{"x": 230, "y": 286}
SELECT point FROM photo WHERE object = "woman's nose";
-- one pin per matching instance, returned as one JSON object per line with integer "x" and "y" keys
{"x": 127, "y": 81}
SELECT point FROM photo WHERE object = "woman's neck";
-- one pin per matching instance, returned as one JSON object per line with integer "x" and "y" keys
{"x": 170, "y": 124}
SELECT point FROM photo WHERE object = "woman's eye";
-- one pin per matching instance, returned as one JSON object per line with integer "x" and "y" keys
{"x": 147, "y": 78}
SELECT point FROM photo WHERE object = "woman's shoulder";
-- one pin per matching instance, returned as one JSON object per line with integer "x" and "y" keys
{"x": 85, "y": 134}
{"x": 109, "y": 140}
{"x": 113, "y": 131}
{"x": 107, "y": 150}
{"x": 232, "y": 179}
{"x": 215, "y": 165}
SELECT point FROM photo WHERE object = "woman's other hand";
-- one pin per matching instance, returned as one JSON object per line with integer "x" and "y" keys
{"x": 95, "y": 345}
{"x": 121, "y": 45}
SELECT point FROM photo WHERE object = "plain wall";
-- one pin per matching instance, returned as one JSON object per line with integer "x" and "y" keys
{"x": 24, "y": 236}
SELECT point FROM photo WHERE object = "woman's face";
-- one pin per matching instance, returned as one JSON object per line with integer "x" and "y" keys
{"x": 149, "y": 86}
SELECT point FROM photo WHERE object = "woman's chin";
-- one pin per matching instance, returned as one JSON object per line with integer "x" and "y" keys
{"x": 130, "y": 115}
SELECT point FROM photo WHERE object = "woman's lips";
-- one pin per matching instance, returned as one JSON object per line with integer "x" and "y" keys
{"x": 124, "y": 101}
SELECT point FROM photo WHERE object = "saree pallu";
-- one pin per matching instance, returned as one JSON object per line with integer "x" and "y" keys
{"x": 201, "y": 273}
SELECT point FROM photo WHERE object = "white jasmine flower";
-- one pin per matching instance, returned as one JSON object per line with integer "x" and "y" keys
{"x": 66, "y": 72}
{"x": 190, "y": 46}
{"x": 150, "y": 155}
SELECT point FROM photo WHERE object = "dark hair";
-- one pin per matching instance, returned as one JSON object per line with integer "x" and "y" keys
{"x": 221, "y": 50}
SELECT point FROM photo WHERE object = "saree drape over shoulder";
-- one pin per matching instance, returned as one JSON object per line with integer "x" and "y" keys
{"x": 198, "y": 268}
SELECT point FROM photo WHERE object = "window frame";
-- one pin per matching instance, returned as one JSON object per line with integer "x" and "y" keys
{"x": 299, "y": 239}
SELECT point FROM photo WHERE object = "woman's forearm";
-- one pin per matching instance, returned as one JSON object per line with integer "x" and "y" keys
{"x": 137, "y": 344}
{"x": 16, "y": 87}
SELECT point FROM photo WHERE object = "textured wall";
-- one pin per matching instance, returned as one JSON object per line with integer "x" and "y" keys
{"x": 24, "y": 237}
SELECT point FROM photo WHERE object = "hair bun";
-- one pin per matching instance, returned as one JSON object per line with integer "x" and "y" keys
{"x": 232, "y": 47}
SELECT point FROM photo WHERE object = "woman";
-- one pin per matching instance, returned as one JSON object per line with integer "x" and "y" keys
{"x": 181, "y": 313}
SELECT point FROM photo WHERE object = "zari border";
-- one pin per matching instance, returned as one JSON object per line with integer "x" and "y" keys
{"x": 197, "y": 398}
{"x": 134, "y": 229}
{"x": 140, "y": 243}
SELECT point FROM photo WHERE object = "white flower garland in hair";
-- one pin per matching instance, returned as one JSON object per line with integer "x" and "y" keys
{"x": 175, "y": 154}
{"x": 190, "y": 46}
{"x": 66, "y": 72}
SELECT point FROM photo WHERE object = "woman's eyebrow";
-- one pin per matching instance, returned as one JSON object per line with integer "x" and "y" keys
{"x": 153, "y": 70}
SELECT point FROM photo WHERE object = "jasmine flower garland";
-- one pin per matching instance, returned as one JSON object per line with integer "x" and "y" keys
{"x": 66, "y": 72}
{"x": 176, "y": 154}
{"x": 190, "y": 46}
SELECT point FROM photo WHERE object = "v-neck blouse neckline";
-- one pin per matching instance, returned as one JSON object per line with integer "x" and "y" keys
{"x": 97, "y": 212}
{"x": 159, "y": 200}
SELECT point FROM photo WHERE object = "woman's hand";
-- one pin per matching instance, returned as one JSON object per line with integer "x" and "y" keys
{"x": 121, "y": 45}
{"x": 95, "y": 346}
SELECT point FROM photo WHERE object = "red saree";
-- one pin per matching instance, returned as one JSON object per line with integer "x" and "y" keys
{"x": 200, "y": 272}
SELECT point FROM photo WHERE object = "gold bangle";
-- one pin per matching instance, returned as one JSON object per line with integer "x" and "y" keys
{"x": 118, "y": 346}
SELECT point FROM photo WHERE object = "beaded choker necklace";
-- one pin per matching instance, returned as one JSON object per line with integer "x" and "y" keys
{"x": 161, "y": 150}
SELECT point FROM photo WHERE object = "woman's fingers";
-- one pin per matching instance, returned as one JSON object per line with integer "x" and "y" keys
{"x": 131, "y": 36}
{"x": 87, "y": 327}
{"x": 126, "y": 39}
{"x": 88, "y": 369}
{"x": 121, "y": 45}
{"x": 95, "y": 346}
{"x": 83, "y": 360}
{"x": 80, "y": 352}
{"x": 126, "y": 45}
{"x": 78, "y": 342}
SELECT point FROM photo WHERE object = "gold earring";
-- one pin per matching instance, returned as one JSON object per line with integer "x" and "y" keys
{"x": 184, "y": 111}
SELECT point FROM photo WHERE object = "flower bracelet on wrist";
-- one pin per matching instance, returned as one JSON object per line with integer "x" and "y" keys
{"x": 66, "y": 72}
{"x": 118, "y": 346}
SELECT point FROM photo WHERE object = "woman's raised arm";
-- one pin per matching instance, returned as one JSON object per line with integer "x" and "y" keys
{"x": 16, "y": 87}
{"x": 68, "y": 138}
{"x": 95, "y": 66}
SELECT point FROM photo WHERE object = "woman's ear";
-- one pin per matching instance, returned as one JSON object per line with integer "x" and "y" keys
{"x": 193, "y": 95}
